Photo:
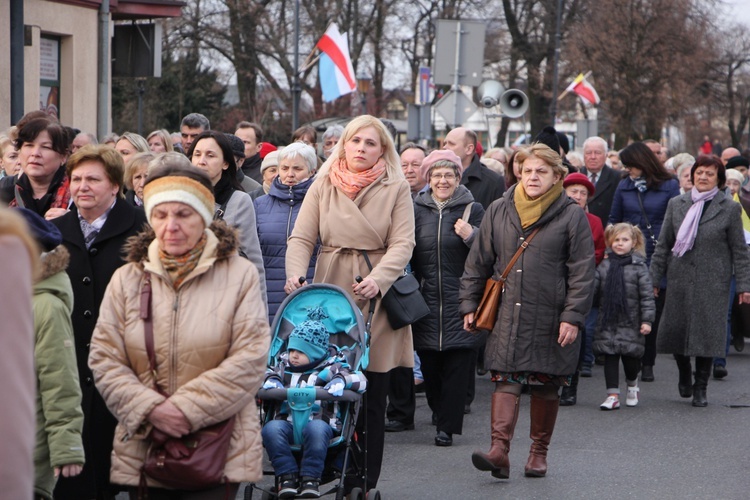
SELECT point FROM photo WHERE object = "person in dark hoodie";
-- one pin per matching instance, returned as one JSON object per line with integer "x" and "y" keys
{"x": 446, "y": 222}
{"x": 252, "y": 135}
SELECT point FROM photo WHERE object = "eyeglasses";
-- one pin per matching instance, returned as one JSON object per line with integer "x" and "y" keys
{"x": 447, "y": 177}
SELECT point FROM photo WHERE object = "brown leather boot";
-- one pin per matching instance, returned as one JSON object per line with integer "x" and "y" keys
{"x": 504, "y": 416}
{"x": 543, "y": 418}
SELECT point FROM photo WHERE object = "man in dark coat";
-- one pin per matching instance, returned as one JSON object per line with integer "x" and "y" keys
{"x": 485, "y": 185}
{"x": 252, "y": 135}
{"x": 601, "y": 175}
{"x": 90, "y": 270}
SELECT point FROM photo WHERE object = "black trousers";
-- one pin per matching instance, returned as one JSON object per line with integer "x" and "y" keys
{"x": 377, "y": 393}
{"x": 446, "y": 378}
{"x": 401, "y": 398}
{"x": 612, "y": 369}
{"x": 649, "y": 357}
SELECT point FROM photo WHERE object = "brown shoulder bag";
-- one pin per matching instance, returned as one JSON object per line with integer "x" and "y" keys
{"x": 486, "y": 314}
{"x": 195, "y": 461}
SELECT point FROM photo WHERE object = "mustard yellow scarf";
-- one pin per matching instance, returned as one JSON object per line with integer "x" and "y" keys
{"x": 179, "y": 267}
{"x": 531, "y": 210}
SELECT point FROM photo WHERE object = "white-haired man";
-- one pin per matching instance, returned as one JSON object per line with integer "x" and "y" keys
{"x": 602, "y": 176}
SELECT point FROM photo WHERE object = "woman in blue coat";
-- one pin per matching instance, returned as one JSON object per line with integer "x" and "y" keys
{"x": 641, "y": 199}
{"x": 277, "y": 212}
{"x": 446, "y": 221}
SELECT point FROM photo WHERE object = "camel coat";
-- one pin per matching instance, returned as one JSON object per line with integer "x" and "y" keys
{"x": 380, "y": 220}
{"x": 211, "y": 340}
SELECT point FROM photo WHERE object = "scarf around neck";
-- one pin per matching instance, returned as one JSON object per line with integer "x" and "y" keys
{"x": 351, "y": 183}
{"x": 179, "y": 267}
{"x": 531, "y": 210}
{"x": 614, "y": 295}
{"x": 689, "y": 227}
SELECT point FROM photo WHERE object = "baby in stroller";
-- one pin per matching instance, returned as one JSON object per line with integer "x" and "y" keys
{"x": 309, "y": 361}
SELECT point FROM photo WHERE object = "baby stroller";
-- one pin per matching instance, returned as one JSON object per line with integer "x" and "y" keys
{"x": 352, "y": 337}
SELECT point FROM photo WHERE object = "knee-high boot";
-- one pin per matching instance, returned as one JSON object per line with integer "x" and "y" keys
{"x": 702, "y": 372}
{"x": 685, "y": 385}
{"x": 543, "y": 418}
{"x": 504, "y": 415}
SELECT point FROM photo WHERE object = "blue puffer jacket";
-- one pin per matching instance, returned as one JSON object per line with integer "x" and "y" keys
{"x": 276, "y": 213}
{"x": 625, "y": 207}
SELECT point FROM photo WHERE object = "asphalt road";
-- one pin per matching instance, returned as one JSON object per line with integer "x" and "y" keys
{"x": 663, "y": 448}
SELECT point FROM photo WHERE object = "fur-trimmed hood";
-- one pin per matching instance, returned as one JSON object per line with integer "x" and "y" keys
{"x": 136, "y": 248}
{"x": 53, "y": 262}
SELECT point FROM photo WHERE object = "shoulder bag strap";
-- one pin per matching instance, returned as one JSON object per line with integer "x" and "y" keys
{"x": 645, "y": 217}
{"x": 148, "y": 326}
{"x": 467, "y": 212}
{"x": 518, "y": 253}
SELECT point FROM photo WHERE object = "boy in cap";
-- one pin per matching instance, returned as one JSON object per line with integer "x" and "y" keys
{"x": 309, "y": 361}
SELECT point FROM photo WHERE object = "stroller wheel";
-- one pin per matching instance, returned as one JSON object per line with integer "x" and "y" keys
{"x": 248, "y": 493}
{"x": 357, "y": 494}
{"x": 267, "y": 495}
{"x": 373, "y": 494}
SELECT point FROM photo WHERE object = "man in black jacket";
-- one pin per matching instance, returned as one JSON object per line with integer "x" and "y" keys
{"x": 485, "y": 185}
{"x": 252, "y": 135}
{"x": 601, "y": 175}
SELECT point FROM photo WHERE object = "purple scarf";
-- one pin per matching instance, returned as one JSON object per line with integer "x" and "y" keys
{"x": 689, "y": 227}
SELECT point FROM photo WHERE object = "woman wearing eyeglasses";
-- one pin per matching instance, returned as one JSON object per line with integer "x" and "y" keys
{"x": 444, "y": 233}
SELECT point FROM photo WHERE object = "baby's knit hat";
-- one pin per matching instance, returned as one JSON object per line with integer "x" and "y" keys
{"x": 311, "y": 336}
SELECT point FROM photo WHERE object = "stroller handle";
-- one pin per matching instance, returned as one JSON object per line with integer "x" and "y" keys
{"x": 320, "y": 394}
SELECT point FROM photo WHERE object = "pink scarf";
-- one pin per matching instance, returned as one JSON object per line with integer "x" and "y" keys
{"x": 689, "y": 227}
{"x": 351, "y": 183}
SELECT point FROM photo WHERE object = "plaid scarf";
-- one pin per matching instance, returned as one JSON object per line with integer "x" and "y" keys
{"x": 58, "y": 194}
{"x": 181, "y": 266}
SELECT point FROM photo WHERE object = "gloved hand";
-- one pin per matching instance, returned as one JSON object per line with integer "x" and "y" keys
{"x": 273, "y": 383}
{"x": 335, "y": 387}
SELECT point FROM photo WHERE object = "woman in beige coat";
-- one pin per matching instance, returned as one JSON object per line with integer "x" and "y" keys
{"x": 210, "y": 335}
{"x": 361, "y": 202}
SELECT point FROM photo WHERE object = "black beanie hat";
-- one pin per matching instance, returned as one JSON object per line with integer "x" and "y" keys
{"x": 238, "y": 147}
{"x": 45, "y": 233}
{"x": 564, "y": 143}
{"x": 738, "y": 161}
{"x": 548, "y": 136}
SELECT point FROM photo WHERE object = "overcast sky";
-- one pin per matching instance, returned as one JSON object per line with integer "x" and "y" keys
{"x": 739, "y": 9}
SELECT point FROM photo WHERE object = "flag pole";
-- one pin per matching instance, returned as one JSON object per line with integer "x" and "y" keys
{"x": 566, "y": 91}
{"x": 308, "y": 63}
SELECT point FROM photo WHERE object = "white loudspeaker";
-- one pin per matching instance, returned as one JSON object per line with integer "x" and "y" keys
{"x": 514, "y": 103}
{"x": 489, "y": 93}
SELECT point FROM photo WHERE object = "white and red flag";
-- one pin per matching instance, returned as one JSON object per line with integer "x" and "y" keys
{"x": 584, "y": 89}
{"x": 335, "y": 69}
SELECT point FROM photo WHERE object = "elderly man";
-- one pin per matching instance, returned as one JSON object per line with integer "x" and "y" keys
{"x": 412, "y": 156}
{"x": 602, "y": 176}
{"x": 191, "y": 127}
{"x": 252, "y": 136}
{"x": 485, "y": 185}
{"x": 728, "y": 154}
{"x": 81, "y": 140}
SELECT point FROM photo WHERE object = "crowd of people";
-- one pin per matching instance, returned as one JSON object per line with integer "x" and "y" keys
{"x": 157, "y": 265}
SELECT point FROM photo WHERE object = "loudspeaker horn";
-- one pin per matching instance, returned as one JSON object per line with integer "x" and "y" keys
{"x": 514, "y": 103}
{"x": 489, "y": 93}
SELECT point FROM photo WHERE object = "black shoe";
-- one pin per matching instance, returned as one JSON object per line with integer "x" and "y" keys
{"x": 434, "y": 419}
{"x": 467, "y": 409}
{"x": 287, "y": 486}
{"x": 699, "y": 397}
{"x": 720, "y": 371}
{"x": 586, "y": 370}
{"x": 738, "y": 342}
{"x": 419, "y": 388}
{"x": 443, "y": 439}
{"x": 568, "y": 396}
{"x": 396, "y": 426}
{"x": 686, "y": 391}
{"x": 309, "y": 487}
{"x": 599, "y": 360}
{"x": 647, "y": 373}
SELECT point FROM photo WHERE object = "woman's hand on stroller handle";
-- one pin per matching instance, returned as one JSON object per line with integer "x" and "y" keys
{"x": 294, "y": 283}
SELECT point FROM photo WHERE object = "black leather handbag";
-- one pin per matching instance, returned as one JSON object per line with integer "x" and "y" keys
{"x": 403, "y": 303}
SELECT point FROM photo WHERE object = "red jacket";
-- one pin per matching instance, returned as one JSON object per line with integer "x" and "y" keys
{"x": 598, "y": 232}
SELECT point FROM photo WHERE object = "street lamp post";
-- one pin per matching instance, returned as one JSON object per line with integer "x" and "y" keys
{"x": 363, "y": 85}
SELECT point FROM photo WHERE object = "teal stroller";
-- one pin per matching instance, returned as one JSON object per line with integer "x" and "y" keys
{"x": 352, "y": 338}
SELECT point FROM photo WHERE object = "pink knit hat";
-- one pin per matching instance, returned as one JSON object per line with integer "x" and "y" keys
{"x": 436, "y": 156}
